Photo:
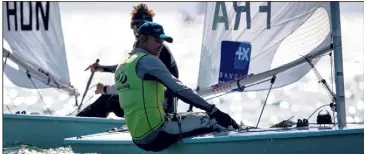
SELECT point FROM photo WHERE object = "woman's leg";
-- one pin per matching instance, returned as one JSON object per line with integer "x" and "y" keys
{"x": 115, "y": 106}
{"x": 176, "y": 127}
{"x": 99, "y": 108}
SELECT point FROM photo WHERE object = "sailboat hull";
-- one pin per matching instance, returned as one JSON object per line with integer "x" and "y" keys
{"x": 50, "y": 131}
{"x": 278, "y": 141}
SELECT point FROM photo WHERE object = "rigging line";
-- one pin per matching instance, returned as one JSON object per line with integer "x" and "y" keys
{"x": 242, "y": 87}
{"x": 119, "y": 130}
{"x": 86, "y": 92}
{"x": 352, "y": 123}
{"x": 332, "y": 77}
{"x": 8, "y": 108}
{"x": 29, "y": 76}
{"x": 266, "y": 99}
{"x": 320, "y": 78}
{"x": 42, "y": 99}
{"x": 262, "y": 81}
{"x": 76, "y": 101}
{"x": 318, "y": 109}
{"x": 35, "y": 77}
{"x": 334, "y": 118}
{"x": 6, "y": 58}
{"x": 324, "y": 84}
{"x": 86, "y": 101}
{"x": 77, "y": 108}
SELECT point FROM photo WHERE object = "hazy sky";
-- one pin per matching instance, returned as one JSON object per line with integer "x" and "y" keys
{"x": 190, "y": 7}
{"x": 352, "y": 7}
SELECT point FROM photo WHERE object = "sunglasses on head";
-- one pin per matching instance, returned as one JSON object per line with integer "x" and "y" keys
{"x": 135, "y": 24}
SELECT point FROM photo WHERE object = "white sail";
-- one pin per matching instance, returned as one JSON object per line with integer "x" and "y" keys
{"x": 242, "y": 38}
{"x": 34, "y": 34}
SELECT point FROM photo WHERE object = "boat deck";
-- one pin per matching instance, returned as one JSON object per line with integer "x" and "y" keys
{"x": 312, "y": 140}
{"x": 251, "y": 134}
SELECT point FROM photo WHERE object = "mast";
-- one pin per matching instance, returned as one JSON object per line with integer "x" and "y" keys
{"x": 338, "y": 64}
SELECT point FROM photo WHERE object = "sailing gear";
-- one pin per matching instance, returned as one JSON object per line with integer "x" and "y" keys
{"x": 110, "y": 89}
{"x": 173, "y": 127}
{"x": 167, "y": 58}
{"x": 155, "y": 30}
{"x": 140, "y": 17}
{"x": 144, "y": 115}
{"x": 135, "y": 24}
{"x": 99, "y": 88}
{"x": 109, "y": 102}
{"x": 151, "y": 68}
{"x": 223, "y": 119}
{"x": 95, "y": 68}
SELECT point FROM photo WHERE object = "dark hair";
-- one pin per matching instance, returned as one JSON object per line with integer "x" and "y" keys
{"x": 141, "y": 10}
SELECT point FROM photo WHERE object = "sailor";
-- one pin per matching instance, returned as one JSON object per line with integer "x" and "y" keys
{"x": 141, "y": 80}
{"x": 108, "y": 101}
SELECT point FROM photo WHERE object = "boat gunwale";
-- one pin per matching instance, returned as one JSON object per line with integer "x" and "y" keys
{"x": 252, "y": 135}
{"x": 60, "y": 118}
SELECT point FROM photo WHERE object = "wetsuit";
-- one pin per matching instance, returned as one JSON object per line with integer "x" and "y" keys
{"x": 109, "y": 101}
{"x": 140, "y": 82}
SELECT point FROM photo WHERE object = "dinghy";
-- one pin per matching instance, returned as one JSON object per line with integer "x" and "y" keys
{"x": 254, "y": 141}
{"x": 239, "y": 43}
{"x": 34, "y": 33}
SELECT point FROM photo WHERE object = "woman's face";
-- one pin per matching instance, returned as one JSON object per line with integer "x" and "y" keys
{"x": 154, "y": 45}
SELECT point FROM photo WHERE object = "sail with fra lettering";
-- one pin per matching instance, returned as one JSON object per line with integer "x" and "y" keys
{"x": 242, "y": 39}
{"x": 35, "y": 41}
{"x": 232, "y": 46}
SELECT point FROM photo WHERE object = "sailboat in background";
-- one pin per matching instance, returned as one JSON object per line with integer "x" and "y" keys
{"x": 34, "y": 33}
{"x": 236, "y": 56}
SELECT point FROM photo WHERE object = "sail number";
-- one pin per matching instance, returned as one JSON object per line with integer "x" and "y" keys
{"x": 18, "y": 12}
{"x": 221, "y": 16}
